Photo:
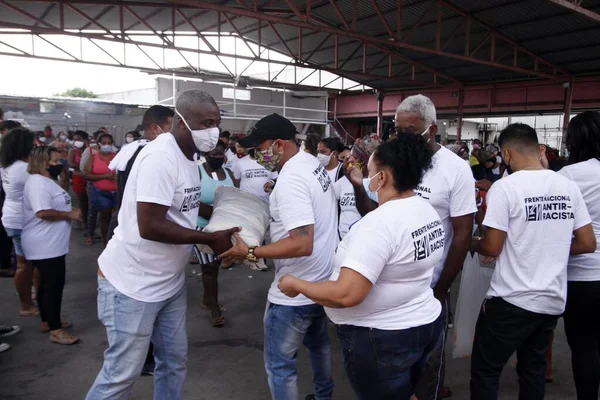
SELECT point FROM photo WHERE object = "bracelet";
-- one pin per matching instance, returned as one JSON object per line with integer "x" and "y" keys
{"x": 250, "y": 256}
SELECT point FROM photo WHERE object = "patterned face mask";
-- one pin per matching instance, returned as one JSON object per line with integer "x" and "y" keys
{"x": 268, "y": 159}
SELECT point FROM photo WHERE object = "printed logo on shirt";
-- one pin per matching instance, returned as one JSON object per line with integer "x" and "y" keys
{"x": 323, "y": 177}
{"x": 191, "y": 201}
{"x": 256, "y": 173}
{"x": 347, "y": 200}
{"x": 67, "y": 198}
{"x": 427, "y": 240}
{"x": 423, "y": 191}
{"x": 548, "y": 208}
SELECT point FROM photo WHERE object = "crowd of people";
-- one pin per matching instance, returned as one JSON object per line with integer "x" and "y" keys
{"x": 369, "y": 237}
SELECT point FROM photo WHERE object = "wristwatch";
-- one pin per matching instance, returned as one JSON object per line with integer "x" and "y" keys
{"x": 250, "y": 256}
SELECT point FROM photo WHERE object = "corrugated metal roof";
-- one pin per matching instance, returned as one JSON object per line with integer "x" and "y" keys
{"x": 558, "y": 35}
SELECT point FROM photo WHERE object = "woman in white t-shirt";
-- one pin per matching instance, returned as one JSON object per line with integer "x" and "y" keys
{"x": 582, "y": 324}
{"x": 344, "y": 189}
{"x": 16, "y": 147}
{"x": 380, "y": 295}
{"x": 47, "y": 216}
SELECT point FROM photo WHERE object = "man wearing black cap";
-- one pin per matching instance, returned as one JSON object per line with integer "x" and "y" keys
{"x": 304, "y": 239}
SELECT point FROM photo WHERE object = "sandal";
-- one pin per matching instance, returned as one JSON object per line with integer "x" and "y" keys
{"x": 30, "y": 312}
{"x": 60, "y": 336}
{"x": 221, "y": 307}
{"x": 218, "y": 321}
{"x": 44, "y": 328}
{"x": 89, "y": 241}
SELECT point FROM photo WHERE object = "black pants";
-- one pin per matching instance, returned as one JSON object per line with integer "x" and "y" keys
{"x": 582, "y": 327}
{"x": 502, "y": 329}
{"x": 5, "y": 249}
{"x": 386, "y": 364}
{"x": 49, "y": 296}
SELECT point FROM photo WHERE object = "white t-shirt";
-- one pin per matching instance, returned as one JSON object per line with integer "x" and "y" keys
{"x": 304, "y": 196}
{"x": 395, "y": 247}
{"x": 42, "y": 239}
{"x": 349, "y": 215}
{"x": 13, "y": 183}
{"x": 231, "y": 159}
{"x": 539, "y": 210}
{"x": 142, "y": 269}
{"x": 253, "y": 177}
{"x": 496, "y": 171}
{"x": 334, "y": 172}
{"x": 450, "y": 188}
{"x": 586, "y": 175}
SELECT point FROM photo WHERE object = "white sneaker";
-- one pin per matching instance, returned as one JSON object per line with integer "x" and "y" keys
{"x": 4, "y": 347}
{"x": 258, "y": 266}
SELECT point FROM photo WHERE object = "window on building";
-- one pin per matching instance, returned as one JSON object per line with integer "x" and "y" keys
{"x": 238, "y": 94}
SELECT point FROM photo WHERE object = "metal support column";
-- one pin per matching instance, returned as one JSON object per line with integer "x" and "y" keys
{"x": 327, "y": 123}
{"x": 461, "y": 98}
{"x": 380, "y": 97}
{"x": 174, "y": 90}
{"x": 567, "y": 112}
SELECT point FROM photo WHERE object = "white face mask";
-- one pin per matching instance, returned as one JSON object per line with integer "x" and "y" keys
{"x": 129, "y": 139}
{"x": 425, "y": 131}
{"x": 205, "y": 140}
{"x": 323, "y": 159}
{"x": 43, "y": 139}
{"x": 78, "y": 144}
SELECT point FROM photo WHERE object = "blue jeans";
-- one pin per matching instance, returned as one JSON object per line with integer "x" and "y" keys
{"x": 386, "y": 365}
{"x": 286, "y": 328}
{"x": 130, "y": 325}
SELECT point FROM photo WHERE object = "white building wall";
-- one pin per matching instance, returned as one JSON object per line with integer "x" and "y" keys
{"x": 139, "y": 96}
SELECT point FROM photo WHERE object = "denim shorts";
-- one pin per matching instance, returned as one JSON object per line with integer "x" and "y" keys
{"x": 15, "y": 234}
{"x": 103, "y": 199}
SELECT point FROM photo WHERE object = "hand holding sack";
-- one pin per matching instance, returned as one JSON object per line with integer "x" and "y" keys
{"x": 233, "y": 208}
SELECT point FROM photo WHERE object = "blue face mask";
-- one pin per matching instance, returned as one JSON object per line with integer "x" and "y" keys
{"x": 106, "y": 148}
{"x": 372, "y": 194}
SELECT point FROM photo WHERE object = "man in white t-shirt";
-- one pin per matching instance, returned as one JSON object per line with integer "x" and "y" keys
{"x": 329, "y": 150}
{"x": 535, "y": 218}
{"x": 304, "y": 239}
{"x": 230, "y": 155}
{"x": 450, "y": 188}
{"x": 253, "y": 177}
{"x": 141, "y": 279}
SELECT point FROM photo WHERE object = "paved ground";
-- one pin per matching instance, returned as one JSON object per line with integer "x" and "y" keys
{"x": 224, "y": 363}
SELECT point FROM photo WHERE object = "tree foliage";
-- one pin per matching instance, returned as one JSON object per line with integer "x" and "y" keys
{"x": 78, "y": 92}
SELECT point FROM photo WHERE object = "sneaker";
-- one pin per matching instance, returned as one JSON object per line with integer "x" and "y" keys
{"x": 9, "y": 330}
{"x": 148, "y": 369}
{"x": 258, "y": 266}
{"x": 60, "y": 336}
{"x": 4, "y": 347}
{"x": 7, "y": 273}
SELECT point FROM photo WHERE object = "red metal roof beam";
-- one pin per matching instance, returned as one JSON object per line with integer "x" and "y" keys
{"x": 573, "y": 6}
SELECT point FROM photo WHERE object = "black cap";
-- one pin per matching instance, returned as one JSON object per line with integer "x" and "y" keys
{"x": 271, "y": 127}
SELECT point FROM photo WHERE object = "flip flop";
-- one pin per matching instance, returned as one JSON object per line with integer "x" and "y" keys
{"x": 221, "y": 307}
{"x": 218, "y": 321}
